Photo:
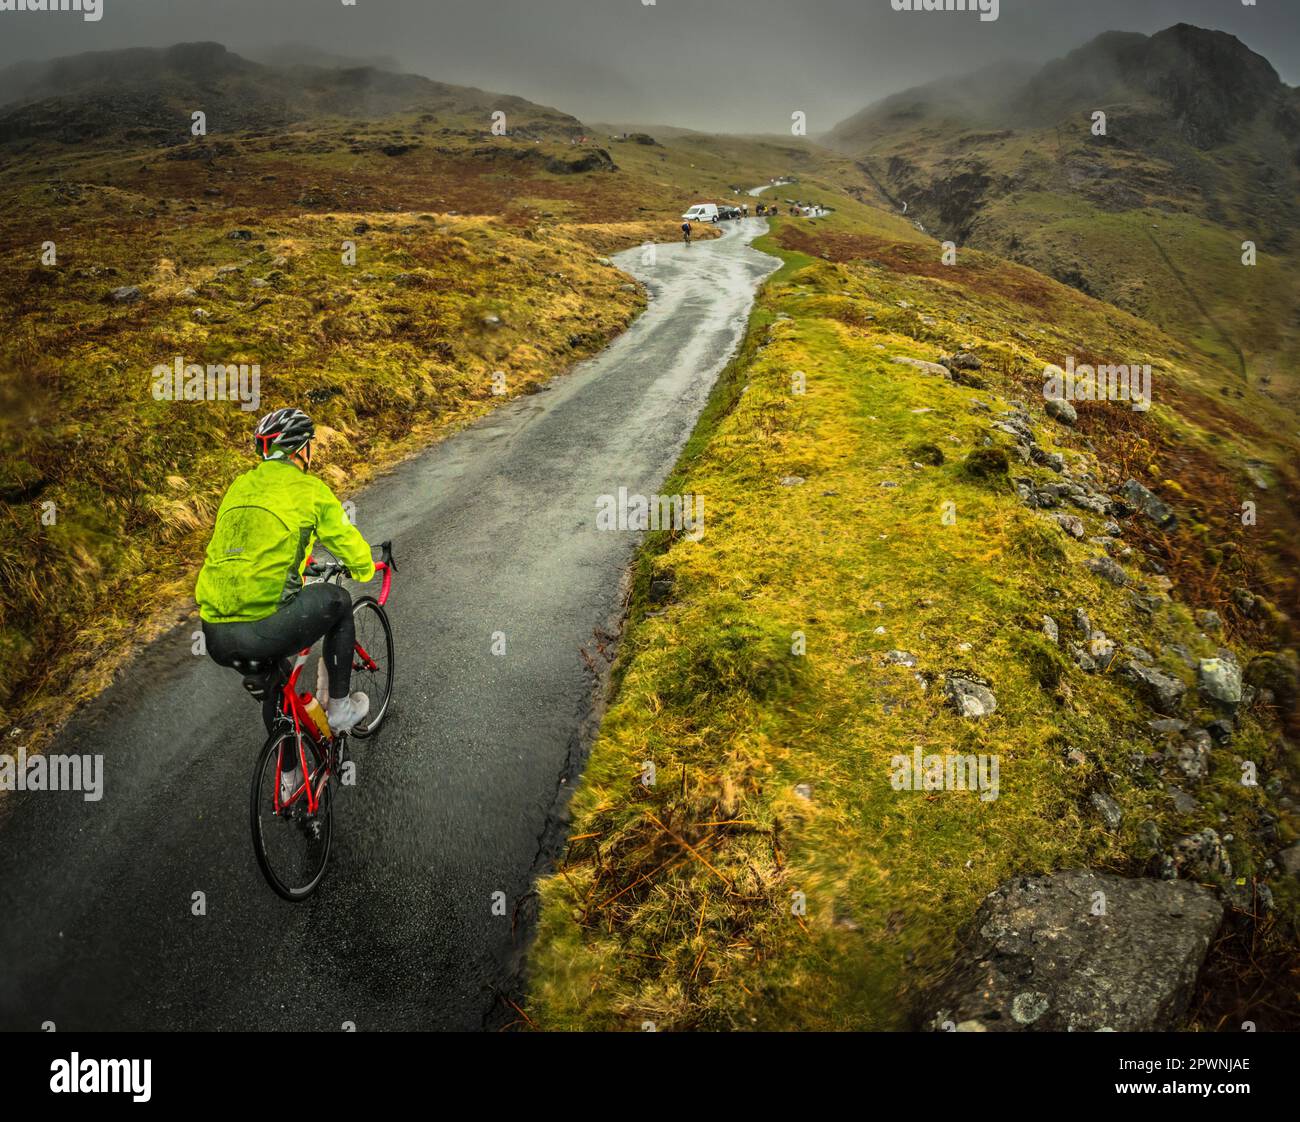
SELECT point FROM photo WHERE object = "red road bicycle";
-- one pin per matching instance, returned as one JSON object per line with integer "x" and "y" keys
{"x": 292, "y": 834}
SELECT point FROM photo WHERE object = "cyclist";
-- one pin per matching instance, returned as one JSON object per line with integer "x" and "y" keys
{"x": 686, "y": 232}
{"x": 250, "y": 591}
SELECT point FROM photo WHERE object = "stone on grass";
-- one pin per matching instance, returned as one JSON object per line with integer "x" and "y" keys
{"x": 1061, "y": 410}
{"x": 1155, "y": 508}
{"x": 1163, "y": 691}
{"x": 1219, "y": 679}
{"x": 1039, "y": 958}
{"x": 968, "y": 695}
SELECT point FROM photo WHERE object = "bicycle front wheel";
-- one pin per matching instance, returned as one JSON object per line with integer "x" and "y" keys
{"x": 372, "y": 662}
{"x": 292, "y": 842}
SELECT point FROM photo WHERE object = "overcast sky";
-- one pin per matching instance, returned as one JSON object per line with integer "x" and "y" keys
{"x": 718, "y": 65}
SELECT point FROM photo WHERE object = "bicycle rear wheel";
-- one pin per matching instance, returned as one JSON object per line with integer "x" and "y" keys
{"x": 292, "y": 844}
{"x": 372, "y": 662}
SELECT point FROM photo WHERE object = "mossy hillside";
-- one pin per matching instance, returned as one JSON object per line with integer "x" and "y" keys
{"x": 385, "y": 353}
{"x": 1207, "y": 443}
{"x": 1156, "y": 232}
{"x": 673, "y": 903}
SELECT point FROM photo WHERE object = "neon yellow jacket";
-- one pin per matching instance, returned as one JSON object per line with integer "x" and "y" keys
{"x": 265, "y": 528}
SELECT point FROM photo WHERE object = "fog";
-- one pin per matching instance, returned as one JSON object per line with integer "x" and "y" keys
{"x": 718, "y": 65}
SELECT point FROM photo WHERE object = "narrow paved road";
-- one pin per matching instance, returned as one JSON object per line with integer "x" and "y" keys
{"x": 456, "y": 799}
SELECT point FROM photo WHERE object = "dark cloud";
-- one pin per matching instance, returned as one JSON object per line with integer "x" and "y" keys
{"x": 736, "y": 65}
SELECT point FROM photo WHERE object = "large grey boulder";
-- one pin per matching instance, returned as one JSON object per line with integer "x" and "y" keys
{"x": 1039, "y": 958}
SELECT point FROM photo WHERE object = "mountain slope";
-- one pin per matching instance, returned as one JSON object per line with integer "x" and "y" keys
{"x": 152, "y": 92}
{"x": 1201, "y": 153}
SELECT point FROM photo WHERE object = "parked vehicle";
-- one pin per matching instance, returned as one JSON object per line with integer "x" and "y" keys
{"x": 702, "y": 212}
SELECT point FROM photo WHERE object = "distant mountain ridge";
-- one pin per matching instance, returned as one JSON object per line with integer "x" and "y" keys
{"x": 1206, "y": 82}
{"x": 1200, "y": 154}
{"x": 94, "y": 95}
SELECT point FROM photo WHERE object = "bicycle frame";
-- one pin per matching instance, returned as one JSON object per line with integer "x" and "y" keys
{"x": 294, "y": 706}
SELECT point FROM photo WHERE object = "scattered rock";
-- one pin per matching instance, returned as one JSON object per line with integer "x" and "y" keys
{"x": 900, "y": 658}
{"x": 792, "y": 480}
{"x": 1039, "y": 958}
{"x": 1061, "y": 410}
{"x": 1192, "y": 755}
{"x": 1072, "y": 524}
{"x": 1108, "y": 568}
{"x": 1202, "y": 856}
{"x": 1219, "y": 679}
{"x": 1051, "y": 630}
{"x": 1109, "y": 809}
{"x": 1220, "y": 731}
{"x": 921, "y": 364}
{"x": 1149, "y": 504}
{"x": 127, "y": 294}
{"x": 963, "y": 360}
{"x": 968, "y": 695}
{"x": 1162, "y": 691}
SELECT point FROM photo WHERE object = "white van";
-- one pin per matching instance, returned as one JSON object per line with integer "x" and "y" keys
{"x": 702, "y": 212}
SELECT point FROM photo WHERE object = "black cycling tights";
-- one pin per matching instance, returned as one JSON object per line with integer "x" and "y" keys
{"x": 319, "y": 609}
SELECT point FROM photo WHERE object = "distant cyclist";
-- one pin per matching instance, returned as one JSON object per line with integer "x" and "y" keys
{"x": 250, "y": 590}
{"x": 686, "y": 232}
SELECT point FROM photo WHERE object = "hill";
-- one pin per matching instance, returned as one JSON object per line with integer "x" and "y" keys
{"x": 1201, "y": 153}
{"x": 146, "y": 95}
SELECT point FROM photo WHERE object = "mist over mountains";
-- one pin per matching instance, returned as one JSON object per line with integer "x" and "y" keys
{"x": 144, "y": 91}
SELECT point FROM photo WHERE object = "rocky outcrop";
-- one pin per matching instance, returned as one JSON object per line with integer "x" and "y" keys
{"x": 1078, "y": 951}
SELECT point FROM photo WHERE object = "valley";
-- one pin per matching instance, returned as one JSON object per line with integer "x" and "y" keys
{"x": 779, "y": 612}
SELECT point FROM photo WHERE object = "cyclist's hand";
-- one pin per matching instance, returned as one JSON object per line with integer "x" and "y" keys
{"x": 326, "y": 570}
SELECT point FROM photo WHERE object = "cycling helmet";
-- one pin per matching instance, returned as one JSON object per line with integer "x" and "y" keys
{"x": 280, "y": 434}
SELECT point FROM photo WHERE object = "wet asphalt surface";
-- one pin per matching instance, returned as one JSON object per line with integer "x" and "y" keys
{"x": 462, "y": 793}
